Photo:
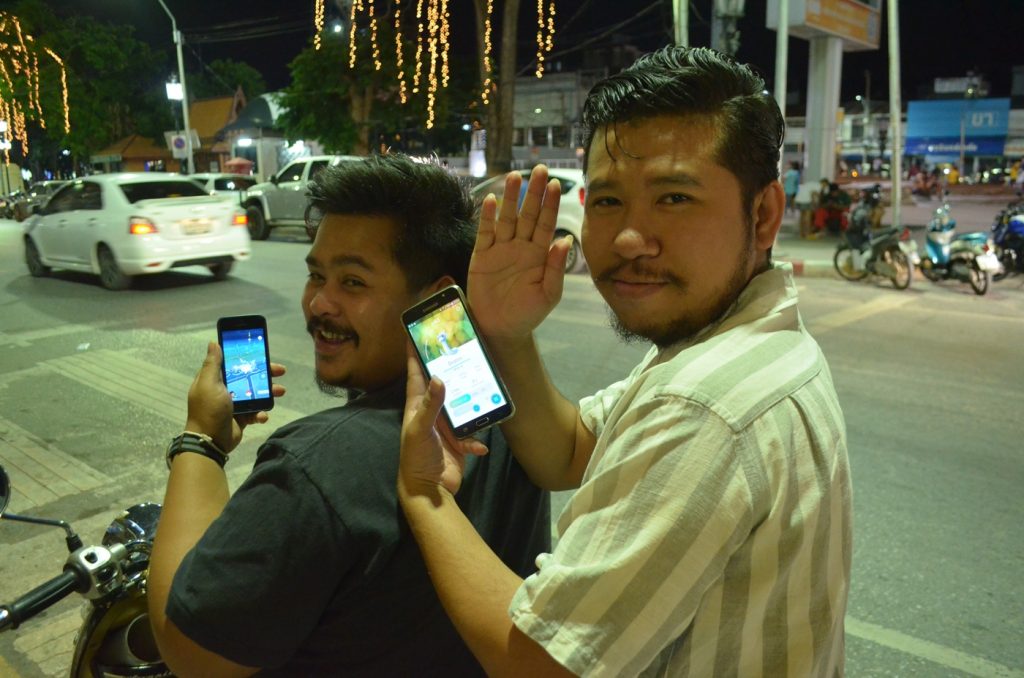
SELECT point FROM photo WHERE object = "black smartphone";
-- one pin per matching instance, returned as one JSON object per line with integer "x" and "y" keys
{"x": 246, "y": 348}
{"x": 449, "y": 348}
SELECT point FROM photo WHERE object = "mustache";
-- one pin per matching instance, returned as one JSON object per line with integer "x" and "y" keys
{"x": 636, "y": 271}
{"x": 314, "y": 325}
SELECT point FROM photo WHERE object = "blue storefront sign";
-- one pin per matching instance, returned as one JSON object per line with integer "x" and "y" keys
{"x": 936, "y": 127}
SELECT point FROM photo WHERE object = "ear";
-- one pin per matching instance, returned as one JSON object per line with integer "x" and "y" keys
{"x": 768, "y": 209}
{"x": 438, "y": 285}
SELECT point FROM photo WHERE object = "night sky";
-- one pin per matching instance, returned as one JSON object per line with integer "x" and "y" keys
{"x": 940, "y": 38}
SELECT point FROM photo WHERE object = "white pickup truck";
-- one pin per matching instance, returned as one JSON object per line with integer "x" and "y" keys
{"x": 282, "y": 200}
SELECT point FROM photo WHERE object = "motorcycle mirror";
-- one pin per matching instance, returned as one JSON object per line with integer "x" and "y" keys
{"x": 5, "y": 489}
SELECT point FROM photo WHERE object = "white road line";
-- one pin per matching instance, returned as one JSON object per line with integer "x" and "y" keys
{"x": 156, "y": 389}
{"x": 933, "y": 652}
{"x": 847, "y": 316}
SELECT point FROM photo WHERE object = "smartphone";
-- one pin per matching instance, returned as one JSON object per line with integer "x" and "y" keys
{"x": 450, "y": 349}
{"x": 246, "y": 368}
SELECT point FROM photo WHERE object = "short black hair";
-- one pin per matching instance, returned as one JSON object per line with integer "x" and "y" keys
{"x": 681, "y": 81}
{"x": 432, "y": 209}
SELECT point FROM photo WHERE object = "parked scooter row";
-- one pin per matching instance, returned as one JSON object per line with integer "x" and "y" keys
{"x": 891, "y": 253}
{"x": 115, "y": 637}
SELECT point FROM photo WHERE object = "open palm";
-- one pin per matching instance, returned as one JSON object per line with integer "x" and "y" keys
{"x": 516, "y": 273}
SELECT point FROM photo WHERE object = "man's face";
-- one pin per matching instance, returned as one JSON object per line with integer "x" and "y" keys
{"x": 353, "y": 301}
{"x": 668, "y": 243}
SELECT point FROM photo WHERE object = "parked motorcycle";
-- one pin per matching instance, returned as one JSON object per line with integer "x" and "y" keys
{"x": 1008, "y": 236}
{"x": 115, "y": 637}
{"x": 967, "y": 257}
{"x": 889, "y": 253}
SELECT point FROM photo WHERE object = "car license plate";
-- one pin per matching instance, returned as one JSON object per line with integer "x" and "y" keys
{"x": 195, "y": 226}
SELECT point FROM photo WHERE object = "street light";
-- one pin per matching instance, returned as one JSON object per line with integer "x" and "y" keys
{"x": 184, "y": 90}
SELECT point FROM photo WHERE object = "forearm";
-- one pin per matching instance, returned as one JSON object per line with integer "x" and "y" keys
{"x": 474, "y": 586}
{"x": 546, "y": 434}
{"x": 197, "y": 492}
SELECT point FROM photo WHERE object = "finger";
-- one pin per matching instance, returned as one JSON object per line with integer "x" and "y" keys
{"x": 422, "y": 417}
{"x": 505, "y": 226}
{"x": 554, "y": 276}
{"x": 532, "y": 203}
{"x": 278, "y": 390}
{"x": 485, "y": 231}
{"x": 211, "y": 364}
{"x": 415, "y": 383}
{"x": 277, "y": 369}
{"x": 464, "y": 446}
{"x": 548, "y": 217}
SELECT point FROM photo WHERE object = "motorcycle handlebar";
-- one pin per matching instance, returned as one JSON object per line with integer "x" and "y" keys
{"x": 40, "y": 598}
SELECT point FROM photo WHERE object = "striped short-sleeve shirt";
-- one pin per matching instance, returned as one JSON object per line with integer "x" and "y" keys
{"x": 711, "y": 535}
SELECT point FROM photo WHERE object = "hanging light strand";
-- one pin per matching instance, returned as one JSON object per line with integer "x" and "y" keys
{"x": 445, "y": 42}
{"x": 356, "y": 6}
{"x": 318, "y": 23}
{"x": 64, "y": 88}
{"x": 488, "y": 47}
{"x": 420, "y": 31}
{"x": 375, "y": 48}
{"x": 545, "y": 34}
{"x": 433, "y": 28}
{"x": 399, "y": 60}
{"x": 19, "y": 70}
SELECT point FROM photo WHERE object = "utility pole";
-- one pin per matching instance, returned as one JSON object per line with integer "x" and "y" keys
{"x": 895, "y": 120}
{"x": 681, "y": 22}
{"x": 725, "y": 36}
{"x": 184, "y": 90}
{"x": 781, "y": 64}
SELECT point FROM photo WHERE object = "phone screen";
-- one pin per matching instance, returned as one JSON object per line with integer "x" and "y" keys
{"x": 449, "y": 349}
{"x": 246, "y": 364}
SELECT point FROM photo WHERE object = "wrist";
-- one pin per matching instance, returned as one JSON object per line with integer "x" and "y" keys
{"x": 195, "y": 443}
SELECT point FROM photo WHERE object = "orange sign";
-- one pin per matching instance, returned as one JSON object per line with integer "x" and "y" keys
{"x": 849, "y": 19}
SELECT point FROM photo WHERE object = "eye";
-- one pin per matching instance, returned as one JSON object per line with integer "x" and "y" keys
{"x": 352, "y": 282}
{"x": 604, "y": 201}
{"x": 674, "y": 198}
{"x": 314, "y": 277}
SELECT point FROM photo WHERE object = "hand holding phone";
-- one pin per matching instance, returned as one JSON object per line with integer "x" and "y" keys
{"x": 246, "y": 366}
{"x": 449, "y": 348}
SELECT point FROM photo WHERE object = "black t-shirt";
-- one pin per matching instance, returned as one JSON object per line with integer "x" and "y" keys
{"x": 312, "y": 570}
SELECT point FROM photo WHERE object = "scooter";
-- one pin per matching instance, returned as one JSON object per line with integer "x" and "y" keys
{"x": 967, "y": 257}
{"x": 889, "y": 253}
{"x": 115, "y": 637}
{"x": 1008, "y": 236}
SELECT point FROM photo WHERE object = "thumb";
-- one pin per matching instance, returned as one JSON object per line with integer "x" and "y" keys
{"x": 212, "y": 362}
{"x": 424, "y": 415}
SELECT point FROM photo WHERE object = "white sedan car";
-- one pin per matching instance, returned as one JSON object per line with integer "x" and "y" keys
{"x": 570, "y": 208}
{"x": 123, "y": 225}
{"x": 228, "y": 185}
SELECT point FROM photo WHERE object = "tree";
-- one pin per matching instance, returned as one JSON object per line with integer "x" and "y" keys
{"x": 499, "y": 113}
{"x": 114, "y": 82}
{"x": 222, "y": 77}
{"x": 341, "y": 106}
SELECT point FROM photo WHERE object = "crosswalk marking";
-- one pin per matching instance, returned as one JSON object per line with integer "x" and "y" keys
{"x": 40, "y": 474}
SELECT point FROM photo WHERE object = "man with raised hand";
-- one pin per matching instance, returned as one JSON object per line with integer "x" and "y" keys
{"x": 710, "y": 533}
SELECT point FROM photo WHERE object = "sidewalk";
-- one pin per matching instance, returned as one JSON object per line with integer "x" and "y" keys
{"x": 814, "y": 257}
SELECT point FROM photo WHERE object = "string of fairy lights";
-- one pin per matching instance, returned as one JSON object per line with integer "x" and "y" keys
{"x": 19, "y": 65}
{"x": 433, "y": 40}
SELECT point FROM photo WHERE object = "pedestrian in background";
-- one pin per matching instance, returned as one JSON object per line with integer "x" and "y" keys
{"x": 791, "y": 185}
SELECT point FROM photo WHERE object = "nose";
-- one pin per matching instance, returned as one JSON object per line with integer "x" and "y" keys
{"x": 634, "y": 240}
{"x": 320, "y": 303}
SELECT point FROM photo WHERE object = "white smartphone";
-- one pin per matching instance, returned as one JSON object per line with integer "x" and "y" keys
{"x": 450, "y": 349}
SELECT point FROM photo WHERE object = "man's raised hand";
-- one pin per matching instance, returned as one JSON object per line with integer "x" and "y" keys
{"x": 516, "y": 273}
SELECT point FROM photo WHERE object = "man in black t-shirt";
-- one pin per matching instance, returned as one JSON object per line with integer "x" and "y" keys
{"x": 309, "y": 568}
